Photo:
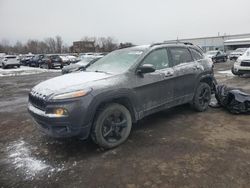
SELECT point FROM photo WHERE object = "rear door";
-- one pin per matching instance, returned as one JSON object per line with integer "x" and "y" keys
{"x": 186, "y": 73}
{"x": 152, "y": 89}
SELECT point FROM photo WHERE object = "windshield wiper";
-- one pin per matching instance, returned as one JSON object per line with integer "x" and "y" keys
{"x": 102, "y": 71}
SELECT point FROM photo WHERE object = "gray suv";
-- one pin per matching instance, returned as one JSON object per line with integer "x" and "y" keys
{"x": 121, "y": 88}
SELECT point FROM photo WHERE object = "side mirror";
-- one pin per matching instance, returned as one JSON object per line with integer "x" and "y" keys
{"x": 146, "y": 68}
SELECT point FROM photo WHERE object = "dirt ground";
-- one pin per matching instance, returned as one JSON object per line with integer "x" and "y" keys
{"x": 174, "y": 148}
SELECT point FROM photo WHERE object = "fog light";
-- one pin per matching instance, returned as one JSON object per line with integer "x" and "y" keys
{"x": 60, "y": 111}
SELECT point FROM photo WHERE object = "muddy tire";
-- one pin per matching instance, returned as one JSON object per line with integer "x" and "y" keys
{"x": 112, "y": 126}
{"x": 202, "y": 97}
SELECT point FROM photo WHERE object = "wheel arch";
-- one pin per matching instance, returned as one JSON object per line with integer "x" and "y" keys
{"x": 124, "y": 98}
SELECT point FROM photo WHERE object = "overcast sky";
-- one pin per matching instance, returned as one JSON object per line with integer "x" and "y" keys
{"x": 136, "y": 21}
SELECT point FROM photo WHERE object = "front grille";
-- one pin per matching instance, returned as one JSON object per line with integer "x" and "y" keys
{"x": 245, "y": 63}
{"x": 37, "y": 101}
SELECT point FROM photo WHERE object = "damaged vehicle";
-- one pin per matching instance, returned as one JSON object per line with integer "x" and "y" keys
{"x": 232, "y": 99}
{"x": 121, "y": 88}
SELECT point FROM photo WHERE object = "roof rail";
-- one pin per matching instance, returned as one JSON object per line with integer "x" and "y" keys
{"x": 172, "y": 42}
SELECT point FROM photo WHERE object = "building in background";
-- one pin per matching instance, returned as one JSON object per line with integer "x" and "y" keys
{"x": 224, "y": 42}
{"x": 83, "y": 46}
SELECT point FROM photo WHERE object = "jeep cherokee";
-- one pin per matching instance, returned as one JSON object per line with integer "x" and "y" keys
{"x": 121, "y": 88}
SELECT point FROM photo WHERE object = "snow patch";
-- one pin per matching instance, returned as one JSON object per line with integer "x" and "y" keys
{"x": 227, "y": 72}
{"x": 23, "y": 70}
{"x": 19, "y": 154}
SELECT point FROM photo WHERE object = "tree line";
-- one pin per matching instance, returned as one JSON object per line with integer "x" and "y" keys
{"x": 56, "y": 44}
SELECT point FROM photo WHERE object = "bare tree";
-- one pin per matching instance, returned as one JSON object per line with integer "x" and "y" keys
{"x": 59, "y": 43}
{"x": 18, "y": 48}
{"x": 107, "y": 44}
{"x": 32, "y": 46}
{"x": 51, "y": 43}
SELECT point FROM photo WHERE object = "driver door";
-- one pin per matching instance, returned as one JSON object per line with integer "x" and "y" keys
{"x": 152, "y": 88}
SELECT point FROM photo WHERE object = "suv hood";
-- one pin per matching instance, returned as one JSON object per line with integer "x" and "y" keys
{"x": 236, "y": 53}
{"x": 68, "y": 82}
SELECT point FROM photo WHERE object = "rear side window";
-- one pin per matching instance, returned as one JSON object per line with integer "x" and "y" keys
{"x": 180, "y": 55}
{"x": 196, "y": 54}
{"x": 158, "y": 58}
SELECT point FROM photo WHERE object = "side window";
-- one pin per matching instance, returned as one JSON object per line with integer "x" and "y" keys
{"x": 180, "y": 55}
{"x": 158, "y": 58}
{"x": 196, "y": 54}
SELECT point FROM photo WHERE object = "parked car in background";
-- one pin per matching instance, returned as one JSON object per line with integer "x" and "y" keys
{"x": 68, "y": 59}
{"x": 237, "y": 53}
{"x": 242, "y": 64}
{"x": 9, "y": 61}
{"x": 24, "y": 59}
{"x": 217, "y": 56}
{"x": 36, "y": 60}
{"x": 81, "y": 65}
{"x": 120, "y": 89}
{"x": 52, "y": 61}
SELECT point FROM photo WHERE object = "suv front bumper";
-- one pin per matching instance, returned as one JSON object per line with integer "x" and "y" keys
{"x": 75, "y": 123}
{"x": 241, "y": 69}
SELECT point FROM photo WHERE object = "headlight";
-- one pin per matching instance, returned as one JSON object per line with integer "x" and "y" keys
{"x": 70, "y": 95}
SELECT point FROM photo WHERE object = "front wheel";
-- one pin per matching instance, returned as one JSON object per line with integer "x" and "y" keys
{"x": 235, "y": 72}
{"x": 112, "y": 126}
{"x": 202, "y": 97}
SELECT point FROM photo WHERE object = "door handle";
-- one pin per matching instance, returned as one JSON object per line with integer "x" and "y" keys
{"x": 168, "y": 74}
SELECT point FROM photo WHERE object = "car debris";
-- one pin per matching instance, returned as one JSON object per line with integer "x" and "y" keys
{"x": 234, "y": 100}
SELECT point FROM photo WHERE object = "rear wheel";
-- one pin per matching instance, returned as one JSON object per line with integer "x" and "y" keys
{"x": 112, "y": 126}
{"x": 202, "y": 97}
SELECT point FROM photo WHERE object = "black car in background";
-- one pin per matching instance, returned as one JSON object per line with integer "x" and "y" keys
{"x": 217, "y": 56}
{"x": 25, "y": 59}
{"x": 52, "y": 61}
{"x": 36, "y": 60}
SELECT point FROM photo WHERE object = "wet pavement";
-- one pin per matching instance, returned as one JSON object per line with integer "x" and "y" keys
{"x": 174, "y": 148}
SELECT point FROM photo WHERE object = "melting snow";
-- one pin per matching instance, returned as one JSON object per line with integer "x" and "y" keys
{"x": 23, "y": 70}
{"x": 227, "y": 72}
{"x": 19, "y": 154}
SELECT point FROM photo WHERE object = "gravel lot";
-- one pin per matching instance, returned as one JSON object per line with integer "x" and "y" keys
{"x": 174, "y": 148}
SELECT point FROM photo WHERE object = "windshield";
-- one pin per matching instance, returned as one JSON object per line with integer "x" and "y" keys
{"x": 116, "y": 62}
{"x": 212, "y": 53}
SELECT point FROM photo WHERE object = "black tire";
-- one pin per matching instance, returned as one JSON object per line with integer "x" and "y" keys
{"x": 3, "y": 66}
{"x": 112, "y": 126}
{"x": 18, "y": 66}
{"x": 234, "y": 72}
{"x": 202, "y": 97}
